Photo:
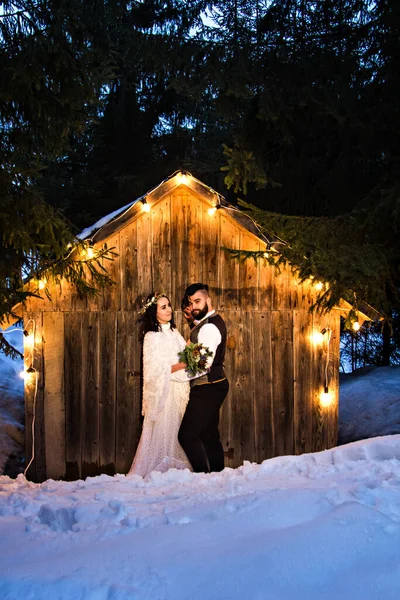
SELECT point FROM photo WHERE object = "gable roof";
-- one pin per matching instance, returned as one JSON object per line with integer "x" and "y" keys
{"x": 114, "y": 221}
{"x": 109, "y": 224}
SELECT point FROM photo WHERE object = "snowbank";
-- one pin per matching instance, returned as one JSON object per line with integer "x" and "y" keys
{"x": 369, "y": 404}
{"x": 318, "y": 526}
{"x": 11, "y": 407}
{"x": 323, "y": 525}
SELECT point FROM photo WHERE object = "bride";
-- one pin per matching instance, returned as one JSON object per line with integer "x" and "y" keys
{"x": 164, "y": 400}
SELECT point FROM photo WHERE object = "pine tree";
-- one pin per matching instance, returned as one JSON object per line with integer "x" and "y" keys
{"x": 51, "y": 71}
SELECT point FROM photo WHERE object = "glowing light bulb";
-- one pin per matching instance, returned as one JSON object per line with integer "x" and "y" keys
{"x": 326, "y": 397}
{"x": 26, "y": 374}
{"x": 29, "y": 340}
{"x": 266, "y": 254}
{"x": 356, "y": 326}
{"x": 182, "y": 179}
{"x": 89, "y": 252}
{"x": 319, "y": 285}
{"x": 212, "y": 211}
{"x": 317, "y": 337}
{"x": 42, "y": 283}
{"x": 145, "y": 206}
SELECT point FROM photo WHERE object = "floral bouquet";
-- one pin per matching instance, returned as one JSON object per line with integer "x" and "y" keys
{"x": 195, "y": 357}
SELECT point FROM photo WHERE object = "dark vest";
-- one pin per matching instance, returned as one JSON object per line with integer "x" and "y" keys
{"x": 217, "y": 369}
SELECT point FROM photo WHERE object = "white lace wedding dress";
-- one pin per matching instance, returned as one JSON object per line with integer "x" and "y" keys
{"x": 164, "y": 404}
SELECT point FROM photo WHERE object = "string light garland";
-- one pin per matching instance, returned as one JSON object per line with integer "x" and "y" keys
{"x": 259, "y": 232}
{"x": 326, "y": 397}
{"x": 29, "y": 374}
{"x": 142, "y": 199}
{"x": 183, "y": 179}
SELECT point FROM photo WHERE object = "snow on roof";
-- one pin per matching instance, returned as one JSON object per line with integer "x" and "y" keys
{"x": 89, "y": 231}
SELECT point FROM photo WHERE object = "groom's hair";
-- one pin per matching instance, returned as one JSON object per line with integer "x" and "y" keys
{"x": 196, "y": 287}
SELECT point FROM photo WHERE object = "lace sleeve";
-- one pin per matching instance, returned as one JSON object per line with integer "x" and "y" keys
{"x": 157, "y": 361}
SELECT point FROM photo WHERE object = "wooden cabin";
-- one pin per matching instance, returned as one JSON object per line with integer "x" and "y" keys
{"x": 87, "y": 402}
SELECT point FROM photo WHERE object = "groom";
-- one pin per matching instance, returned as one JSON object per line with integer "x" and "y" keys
{"x": 199, "y": 434}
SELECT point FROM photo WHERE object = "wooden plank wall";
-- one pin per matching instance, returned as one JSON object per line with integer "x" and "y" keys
{"x": 54, "y": 405}
{"x": 102, "y": 393}
{"x": 90, "y": 365}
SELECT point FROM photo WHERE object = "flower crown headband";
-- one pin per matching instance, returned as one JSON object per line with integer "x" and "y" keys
{"x": 153, "y": 300}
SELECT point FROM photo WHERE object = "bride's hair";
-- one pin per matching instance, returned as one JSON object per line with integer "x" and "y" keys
{"x": 149, "y": 321}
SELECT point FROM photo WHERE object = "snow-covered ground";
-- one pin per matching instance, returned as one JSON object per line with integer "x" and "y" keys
{"x": 369, "y": 404}
{"x": 323, "y": 526}
{"x": 320, "y": 526}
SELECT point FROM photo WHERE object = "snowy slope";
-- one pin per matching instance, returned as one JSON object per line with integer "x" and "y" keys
{"x": 369, "y": 404}
{"x": 11, "y": 403}
{"x": 319, "y": 526}
{"x": 324, "y": 525}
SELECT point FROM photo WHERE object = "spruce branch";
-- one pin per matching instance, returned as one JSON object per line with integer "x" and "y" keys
{"x": 8, "y": 349}
{"x": 340, "y": 251}
{"x": 88, "y": 275}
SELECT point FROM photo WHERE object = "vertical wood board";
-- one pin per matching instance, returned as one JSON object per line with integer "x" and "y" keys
{"x": 229, "y": 269}
{"x": 129, "y": 268}
{"x": 179, "y": 251}
{"x": 238, "y": 412}
{"x": 264, "y": 425}
{"x": 73, "y": 393}
{"x": 108, "y": 392}
{"x": 54, "y": 398}
{"x": 112, "y": 292}
{"x": 266, "y": 285}
{"x": 90, "y": 381}
{"x": 303, "y": 381}
{"x": 281, "y": 290}
{"x": 128, "y": 409}
{"x": 144, "y": 280}
{"x": 282, "y": 369}
{"x": 161, "y": 246}
{"x": 195, "y": 239}
{"x": 211, "y": 252}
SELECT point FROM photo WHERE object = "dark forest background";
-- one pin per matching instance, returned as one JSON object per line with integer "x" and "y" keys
{"x": 289, "y": 105}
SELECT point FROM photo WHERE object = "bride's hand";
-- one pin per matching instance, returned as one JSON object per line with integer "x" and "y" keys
{"x": 178, "y": 367}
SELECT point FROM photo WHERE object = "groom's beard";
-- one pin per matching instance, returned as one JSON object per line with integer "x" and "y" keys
{"x": 201, "y": 314}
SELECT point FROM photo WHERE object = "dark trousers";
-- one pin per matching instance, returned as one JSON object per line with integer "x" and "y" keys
{"x": 198, "y": 434}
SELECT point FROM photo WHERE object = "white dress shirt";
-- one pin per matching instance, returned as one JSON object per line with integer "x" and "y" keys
{"x": 209, "y": 336}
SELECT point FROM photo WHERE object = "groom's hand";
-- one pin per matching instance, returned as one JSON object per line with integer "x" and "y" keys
{"x": 187, "y": 313}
